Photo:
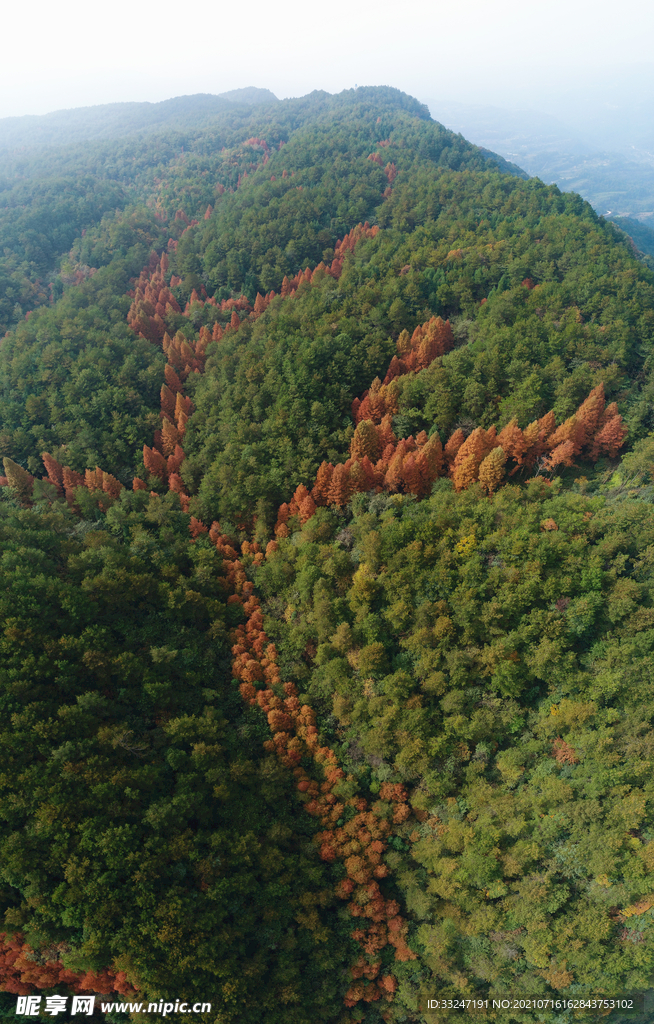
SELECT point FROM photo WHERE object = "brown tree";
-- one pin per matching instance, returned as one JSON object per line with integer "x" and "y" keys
{"x": 167, "y": 401}
{"x": 610, "y": 438}
{"x": 562, "y": 455}
{"x": 452, "y": 446}
{"x": 512, "y": 441}
{"x": 474, "y": 449}
{"x": 155, "y": 463}
{"x": 55, "y": 471}
{"x": 172, "y": 379}
{"x": 320, "y": 492}
{"x": 340, "y": 488}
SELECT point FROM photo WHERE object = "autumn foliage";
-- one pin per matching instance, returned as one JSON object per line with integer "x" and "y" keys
{"x": 23, "y": 969}
{"x": 418, "y": 350}
{"x": 353, "y": 831}
{"x": 164, "y": 459}
{"x": 360, "y": 843}
{"x": 152, "y": 301}
{"x": 379, "y": 461}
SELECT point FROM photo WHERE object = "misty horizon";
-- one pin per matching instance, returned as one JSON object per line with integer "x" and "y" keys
{"x": 580, "y": 140}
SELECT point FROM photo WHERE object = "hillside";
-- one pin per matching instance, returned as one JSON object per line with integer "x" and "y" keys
{"x": 327, "y": 575}
{"x": 115, "y": 120}
{"x": 606, "y": 159}
{"x": 641, "y": 235}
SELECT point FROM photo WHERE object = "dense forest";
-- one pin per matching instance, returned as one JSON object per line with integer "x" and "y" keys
{"x": 641, "y": 236}
{"x": 327, "y": 565}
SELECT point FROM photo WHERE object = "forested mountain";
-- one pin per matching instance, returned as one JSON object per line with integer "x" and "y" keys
{"x": 641, "y": 235}
{"x": 597, "y": 145}
{"x": 114, "y": 120}
{"x": 327, "y": 576}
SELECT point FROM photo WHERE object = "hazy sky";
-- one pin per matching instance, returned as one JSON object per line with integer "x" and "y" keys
{"x": 73, "y": 53}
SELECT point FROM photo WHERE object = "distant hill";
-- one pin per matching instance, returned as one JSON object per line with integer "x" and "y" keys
{"x": 616, "y": 178}
{"x": 113, "y": 120}
{"x": 249, "y": 95}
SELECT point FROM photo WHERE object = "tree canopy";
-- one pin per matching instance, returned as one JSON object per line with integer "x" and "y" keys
{"x": 326, "y": 545}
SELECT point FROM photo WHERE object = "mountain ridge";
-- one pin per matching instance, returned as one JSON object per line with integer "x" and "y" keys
{"x": 111, "y": 120}
{"x": 326, "y": 576}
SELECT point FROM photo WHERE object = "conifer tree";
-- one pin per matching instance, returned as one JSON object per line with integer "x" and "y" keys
{"x": 429, "y": 461}
{"x": 175, "y": 460}
{"x": 452, "y": 446}
{"x": 533, "y": 449}
{"x": 572, "y": 432}
{"x": 358, "y": 477}
{"x": 340, "y": 487}
{"x": 155, "y": 463}
{"x": 491, "y": 470}
{"x": 93, "y": 479}
{"x": 71, "y": 480}
{"x": 546, "y": 427}
{"x": 590, "y": 413}
{"x": 411, "y": 476}
{"x": 55, "y": 471}
{"x": 167, "y": 401}
{"x": 365, "y": 441}
{"x": 471, "y": 453}
{"x": 562, "y": 455}
{"x": 394, "y": 477}
{"x": 183, "y": 406}
{"x": 307, "y": 509}
{"x": 170, "y": 437}
{"x": 111, "y": 486}
{"x": 320, "y": 492}
{"x": 385, "y": 434}
{"x": 512, "y": 441}
{"x": 609, "y": 438}
{"x": 285, "y": 511}
{"x": 19, "y": 479}
{"x": 403, "y": 343}
{"x": 466, "y": 471}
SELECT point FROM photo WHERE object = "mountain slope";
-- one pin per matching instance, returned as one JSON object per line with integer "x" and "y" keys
{"x": 114, "y": 120}
{"x": 327, "y": 586}
{"x": 593, "y": 152}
